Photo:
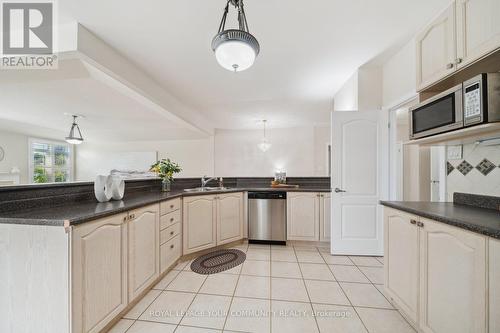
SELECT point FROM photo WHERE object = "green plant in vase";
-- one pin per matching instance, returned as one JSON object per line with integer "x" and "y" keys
{"x": 165, "y": 169}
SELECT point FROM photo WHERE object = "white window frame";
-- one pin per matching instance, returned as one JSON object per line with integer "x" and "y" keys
{"x": 31, "y": 166}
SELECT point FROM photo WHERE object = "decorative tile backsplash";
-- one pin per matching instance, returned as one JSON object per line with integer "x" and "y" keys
{"x": 485, "y": 167}
{"x": 478, "y": 172}
{"x": 464, "y": 167}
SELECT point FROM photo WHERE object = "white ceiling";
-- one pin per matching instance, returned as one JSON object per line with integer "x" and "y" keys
{"x": 308, "y": 49}
{"x": 35, "y": 103}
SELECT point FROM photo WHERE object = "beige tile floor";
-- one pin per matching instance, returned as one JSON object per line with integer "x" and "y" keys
{"x": 277, "y": 289}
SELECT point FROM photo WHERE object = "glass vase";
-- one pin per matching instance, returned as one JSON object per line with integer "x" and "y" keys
{"x": 165, "y": 185}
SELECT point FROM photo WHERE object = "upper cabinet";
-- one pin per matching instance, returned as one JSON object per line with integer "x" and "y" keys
{"x": 465, "y": 32}
{"x": 478, "y": 29}
{"x": 436, "y": 49}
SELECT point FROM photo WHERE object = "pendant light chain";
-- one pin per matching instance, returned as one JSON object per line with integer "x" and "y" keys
{"x": 222, "y": 25}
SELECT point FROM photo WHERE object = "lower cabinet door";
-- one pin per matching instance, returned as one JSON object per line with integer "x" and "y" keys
{"x": 401, "y": 261}
{"x": 169, "y": 253}
{"x": 302, "y": 216}
{"x": 494, "y": 267}
{"x": 325, "y": 217}
{"x": 144, "y": 239}
{"x": 452, "y": 279}
{"x": 99, "y": 273}
{"x": 199, "y": 223}
{"x": 229, "y": 218}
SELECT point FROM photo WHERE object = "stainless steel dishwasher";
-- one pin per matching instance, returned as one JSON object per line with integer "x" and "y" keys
{"x": 267, "y": 217}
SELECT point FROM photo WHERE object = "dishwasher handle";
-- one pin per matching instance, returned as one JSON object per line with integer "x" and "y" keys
{"x": 267, "y": 195}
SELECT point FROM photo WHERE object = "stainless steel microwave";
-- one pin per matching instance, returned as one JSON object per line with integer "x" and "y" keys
{"x": 476, "y": 101}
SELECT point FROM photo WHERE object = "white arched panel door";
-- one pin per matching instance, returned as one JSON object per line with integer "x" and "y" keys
{"x": 358, "y": 146}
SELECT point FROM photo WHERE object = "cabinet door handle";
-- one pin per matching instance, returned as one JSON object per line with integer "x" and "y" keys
{"x": 125, "y": 218}
{"x": 132, "y": 216}
{"x": 171, "y": 219}
{"x": 413, "y": 222}
{"x": 420, "y": 224}
{"x": 458, "y": 61}
{"x": 171, "y": 206}
{"x": 171, "y": 233}
{"x": 338, "y": 190}
{"x": 449, "y": 66}
{"x": 172, "y": 246}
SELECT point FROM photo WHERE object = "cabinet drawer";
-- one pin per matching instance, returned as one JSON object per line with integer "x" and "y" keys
{"x": 169, "y": 206}
{"x": 170, "y": 252}
{"x": 169, "y": 219}
{"x": 170, "y": 232}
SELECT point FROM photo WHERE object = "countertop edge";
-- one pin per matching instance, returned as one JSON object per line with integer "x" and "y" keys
{"x": 491, "y": 232}
{"x": 87, "y": 218}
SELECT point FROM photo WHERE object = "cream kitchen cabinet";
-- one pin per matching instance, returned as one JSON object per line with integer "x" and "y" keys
{"x": 308, "y": 216}
{"x": 436, "y": 49}
{"x": 452, "y": 279}
{"x": 450, "y": 268}
{"x": 325, "y": 216}
{"x": 478, "y": 29}
{"x": 494, "y": 287}
{"x": 170, "y": 233}
{"x": 99, "y": 272}
{"x": 401, "y": 261}
{"x": 465, "y": 32}
{"x": 143, "y": 248}
{"x": 229, "y": 217}
{"x": 211, "y": 220}
{"x": 199, "y": 223}
{"x": 302, "y": 216}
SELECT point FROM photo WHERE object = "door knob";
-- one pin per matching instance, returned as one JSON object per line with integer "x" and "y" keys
{"x": 338, "y": 190}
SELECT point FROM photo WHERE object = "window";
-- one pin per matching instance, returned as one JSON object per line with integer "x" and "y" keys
{"x": 50, "y": 161}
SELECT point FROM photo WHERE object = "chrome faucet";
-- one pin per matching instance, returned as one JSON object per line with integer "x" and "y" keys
{"x": 205, "y": 181}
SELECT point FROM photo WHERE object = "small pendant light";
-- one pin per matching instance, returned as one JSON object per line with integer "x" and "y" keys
{"x": 264, "y": 145}
{"x": 74, "y": 137}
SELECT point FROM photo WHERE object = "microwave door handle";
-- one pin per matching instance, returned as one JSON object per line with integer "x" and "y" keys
{"x": 459, "y": 107}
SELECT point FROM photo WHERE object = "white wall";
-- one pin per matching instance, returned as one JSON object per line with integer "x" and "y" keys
{"x": 361, "y": 92}
{"x": 399, "y": 76}
{"x": 15, "y": 147}
{"x": 346, "y": 99}
{"x": 299, "y": 151}
{"x": 195, "y": 156}
{"x": 369, "y": 88}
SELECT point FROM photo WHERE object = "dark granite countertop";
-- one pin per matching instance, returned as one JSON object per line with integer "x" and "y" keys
{"x": 480, "y": 220}
{"x": 84, "y": 211}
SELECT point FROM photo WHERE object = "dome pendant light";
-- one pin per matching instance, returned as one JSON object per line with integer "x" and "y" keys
{"x": 73, "y": 137}
{"x": 264, "y": 145}
{"x": 235, "y": 49}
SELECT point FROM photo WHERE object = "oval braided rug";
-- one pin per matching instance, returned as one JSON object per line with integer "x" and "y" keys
{"x": 218, "y": 261}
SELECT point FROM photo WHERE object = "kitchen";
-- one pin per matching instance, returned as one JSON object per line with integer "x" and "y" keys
{"x": 294, "y": 186}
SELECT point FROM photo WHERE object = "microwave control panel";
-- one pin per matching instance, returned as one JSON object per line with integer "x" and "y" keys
{"x": 472, "y": 101}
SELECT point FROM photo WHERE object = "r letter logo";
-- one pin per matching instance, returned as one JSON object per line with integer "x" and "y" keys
{"x": 28, "y": 35}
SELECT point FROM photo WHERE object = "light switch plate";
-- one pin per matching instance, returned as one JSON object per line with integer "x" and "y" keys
{"x": 455, "y": 152}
